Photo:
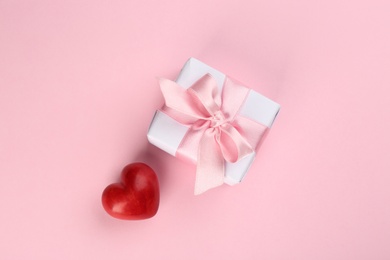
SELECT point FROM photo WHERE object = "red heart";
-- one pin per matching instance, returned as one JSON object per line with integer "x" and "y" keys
{"x": 137, "y": 196}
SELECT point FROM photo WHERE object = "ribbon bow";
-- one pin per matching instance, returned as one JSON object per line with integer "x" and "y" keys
{"x": 216, "y": 133}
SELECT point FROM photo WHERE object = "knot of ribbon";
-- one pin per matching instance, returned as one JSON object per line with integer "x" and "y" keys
{"x": 216, "y": 134}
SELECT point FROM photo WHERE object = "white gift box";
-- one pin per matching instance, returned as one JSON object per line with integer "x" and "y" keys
{"x": 167, "y": 134}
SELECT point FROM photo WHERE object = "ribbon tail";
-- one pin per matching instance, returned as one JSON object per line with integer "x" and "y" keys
{"x": 210, "y": 171}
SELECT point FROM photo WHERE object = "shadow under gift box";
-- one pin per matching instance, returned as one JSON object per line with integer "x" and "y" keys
{"x": 167, "y": 134}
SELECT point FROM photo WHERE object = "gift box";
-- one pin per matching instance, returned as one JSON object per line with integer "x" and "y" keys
{"x": 213, "y": 121}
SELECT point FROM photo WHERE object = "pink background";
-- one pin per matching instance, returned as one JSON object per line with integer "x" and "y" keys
{"x": 78, "y": 91}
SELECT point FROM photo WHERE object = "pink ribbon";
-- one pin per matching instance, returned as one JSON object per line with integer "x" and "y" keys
{"x": 217, "y": 133}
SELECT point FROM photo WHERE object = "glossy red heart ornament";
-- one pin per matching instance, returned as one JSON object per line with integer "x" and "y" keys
{"x": 136, "y": 197}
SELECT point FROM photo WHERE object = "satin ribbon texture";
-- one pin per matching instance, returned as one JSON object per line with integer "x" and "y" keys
{"x": 217, "y": 133}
